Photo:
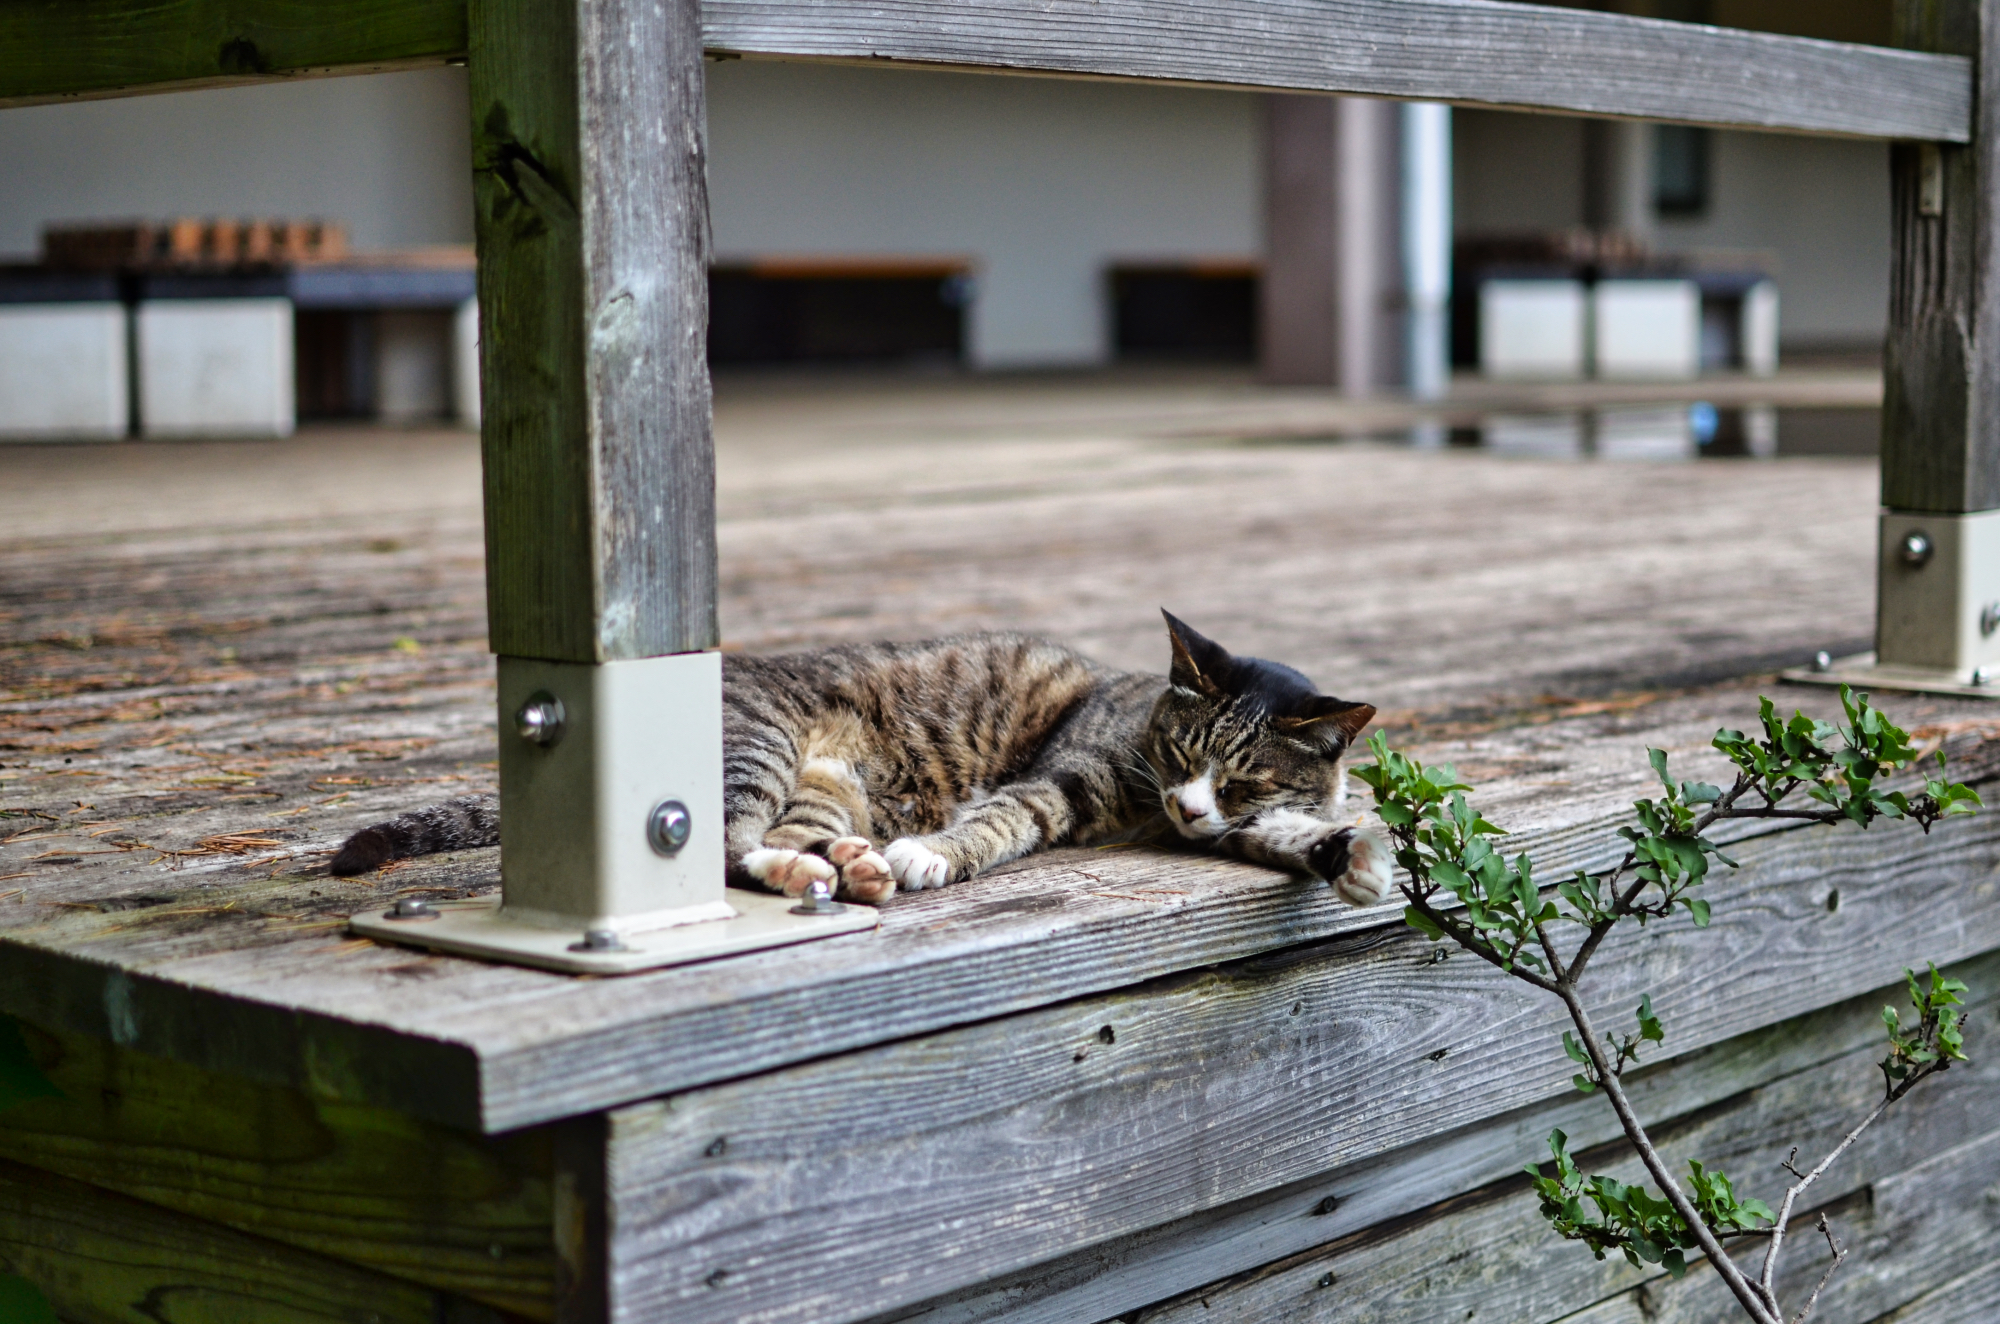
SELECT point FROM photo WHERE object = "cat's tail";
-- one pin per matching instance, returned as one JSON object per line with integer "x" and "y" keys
{"x": 470, "y": 820}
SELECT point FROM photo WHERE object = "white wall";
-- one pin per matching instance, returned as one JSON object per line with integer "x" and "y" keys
{"x": 387, "y": 154}
{"x": 1822, "y": 206}
{"x": 1041, "y": 182}
{"x": 1819, "y": 206}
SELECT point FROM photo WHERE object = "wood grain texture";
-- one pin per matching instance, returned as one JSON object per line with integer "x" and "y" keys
{"x": 1973, "y": 1299}
{"x": 592, "y": 221}
{"x": 1490, "y": 1253}
{"x": 63, "y": 50}
{"x": 1467, "y": 51}
{"x": 852, "y": 1185}
{"x": 103, "y": 1259}
{"x": 1384, "y": 1194}
{"x": 1940, "y": 426}
{"x": 419, "y": 1202}
{"x": 1921, "y": 1243}
{"x": 210, "y": 635}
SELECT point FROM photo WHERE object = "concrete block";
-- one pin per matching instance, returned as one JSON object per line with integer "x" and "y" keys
{"x": 1758, "y": 334}
{"x": 1646, "y": 329}
{"x": 216, "y": 367}
{"x": 1532, "y": 329}
{"x": 63, "y": 372}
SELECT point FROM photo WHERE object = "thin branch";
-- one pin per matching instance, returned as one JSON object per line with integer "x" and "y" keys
{"x": 1704, "y": 1236}
{"x": 1798, "y": 1187}
{"x": 1825, "y": 1278}
{"x": 1468, "y": 939}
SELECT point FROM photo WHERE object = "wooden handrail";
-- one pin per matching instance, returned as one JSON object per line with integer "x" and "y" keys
{"x": 1482, "y": 52}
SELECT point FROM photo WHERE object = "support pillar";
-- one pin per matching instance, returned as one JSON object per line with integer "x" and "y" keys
{"x": 1332, "y": 272}
{"x": 1427, "y": 235}
{"x": 1937, "y": 625}
{"x": 589, "y": 142}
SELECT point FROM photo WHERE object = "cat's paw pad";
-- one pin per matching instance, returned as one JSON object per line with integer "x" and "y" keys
{"x": 787, "y": 871}
{"x": 864, "y": 875}
{"x": 1368, "y": 875}
{"x": 916, "y": 866}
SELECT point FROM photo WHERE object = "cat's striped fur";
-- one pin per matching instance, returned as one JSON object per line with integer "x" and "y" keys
{"x": 877, "y": 765}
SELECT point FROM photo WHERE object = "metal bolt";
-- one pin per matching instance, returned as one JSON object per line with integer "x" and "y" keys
{"x": 1916, "y": 548}
{"x": 540, "y": 720}
{"x": 668, "y": 827}
{"x": 410, "y": 907}
{"x": 1822, "y": 661}
{"x": 818, "y": 900}
{"x": 1982, "y": 675}
{"x": 599, "y": 940}
{"x": 1989, "y": 619}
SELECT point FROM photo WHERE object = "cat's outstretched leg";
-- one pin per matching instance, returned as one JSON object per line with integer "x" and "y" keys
{"x": 821, "y": 836}
{"x": 1356, "y": 861}
{"x": 1006, "y": 825}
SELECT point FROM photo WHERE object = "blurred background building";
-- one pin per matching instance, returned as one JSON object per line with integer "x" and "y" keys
{"x": 890, "y": 216}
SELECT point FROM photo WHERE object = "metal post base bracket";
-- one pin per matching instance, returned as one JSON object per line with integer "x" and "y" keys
{"x": 1937, "y": 610}
{"x": 611, "y": 841}
{"x": 480, "y": 928}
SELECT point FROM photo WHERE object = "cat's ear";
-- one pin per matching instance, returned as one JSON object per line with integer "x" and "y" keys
{"x": 1328, "y": 722}
{"x": 1200, "y": 664}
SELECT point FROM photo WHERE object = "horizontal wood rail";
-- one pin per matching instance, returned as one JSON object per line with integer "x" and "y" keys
{"x": 1529, "y": 57}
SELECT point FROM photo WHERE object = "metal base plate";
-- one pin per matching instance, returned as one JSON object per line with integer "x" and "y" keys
{"x": 476, "y": 928}
{"x": 1863, "y": 673}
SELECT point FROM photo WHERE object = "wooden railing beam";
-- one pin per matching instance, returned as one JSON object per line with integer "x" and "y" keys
{"x": 1478, "y": 52}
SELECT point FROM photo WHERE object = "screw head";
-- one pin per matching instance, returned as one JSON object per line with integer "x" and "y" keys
{"x": 668, "y": 827}
{"x": 410, "y": 907}
{"x": 1822, "y": 661}
{"x": 1916, "y": 548}
{"x": 540, "y": 720}
{"x": 1989, "y": 619}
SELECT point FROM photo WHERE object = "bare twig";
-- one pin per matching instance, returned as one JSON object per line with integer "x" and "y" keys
{"x": 1839, "y": 1254}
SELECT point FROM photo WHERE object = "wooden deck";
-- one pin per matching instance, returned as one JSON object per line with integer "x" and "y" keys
{"x": 1083, "y": 1086}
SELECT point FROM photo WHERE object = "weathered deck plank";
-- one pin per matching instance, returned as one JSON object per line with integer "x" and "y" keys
{"x": 1338, "y": 1206}
{"x": 1921, "y": 1171}
{"x": 467, "y": 1214}
{"x": 218, "y": 634}
{"x": 858, "y": 1183}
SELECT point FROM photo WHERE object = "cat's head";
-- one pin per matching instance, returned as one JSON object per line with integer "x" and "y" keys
{"x": 1233, "y": 736}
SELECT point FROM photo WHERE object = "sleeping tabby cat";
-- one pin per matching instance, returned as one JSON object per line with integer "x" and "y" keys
{"x": 870, "y": 766}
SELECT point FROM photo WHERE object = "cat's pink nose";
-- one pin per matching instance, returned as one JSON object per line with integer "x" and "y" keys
{"x": 1189, "y": 809}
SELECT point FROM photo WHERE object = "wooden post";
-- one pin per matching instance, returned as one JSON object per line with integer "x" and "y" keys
{"x": 589, "y": 136}
{"x": 590, "y": 184}
{"x": 1938, "y": 573}
{"x": 1940, "y": 418}
{"x": 1331, "y": 270}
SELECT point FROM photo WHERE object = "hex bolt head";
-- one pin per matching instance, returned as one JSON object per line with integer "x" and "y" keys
{"x": 1822, "y": 661}
{"x": 668, "y": 827}
{"x": 818, "y": 900}
{"x": 410, "y": 907}
{"x": 599, "y": 940}
{"x": 540, "y": 719}
{"x": 1916, "y": 548}
{"x": 1989, "y": 619}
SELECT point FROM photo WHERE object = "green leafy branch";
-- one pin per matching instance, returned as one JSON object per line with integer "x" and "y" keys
{"x": 1460, "y": 886}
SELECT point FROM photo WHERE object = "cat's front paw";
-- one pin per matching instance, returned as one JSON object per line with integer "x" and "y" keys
{"x": 916, "y": 866}
{"x": 1368, "y": 875}
{"x": 864, "y": 874}
{"x": 787, "y": 871}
